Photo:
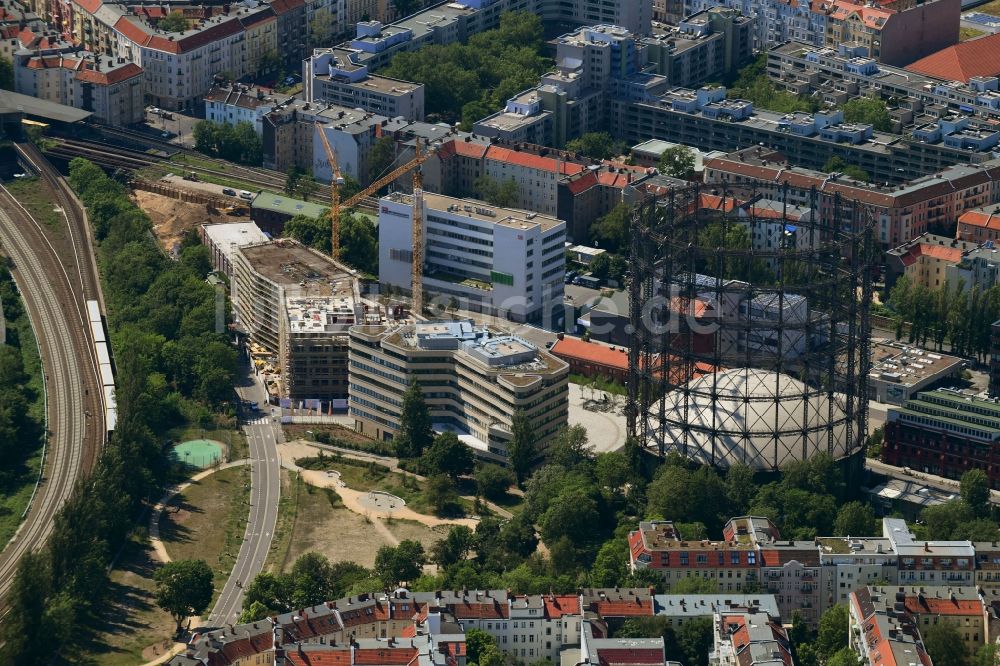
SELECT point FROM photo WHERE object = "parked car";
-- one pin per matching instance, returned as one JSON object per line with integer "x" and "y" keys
{"x": 229, "y": 192}
{"x": 246, "y": 195}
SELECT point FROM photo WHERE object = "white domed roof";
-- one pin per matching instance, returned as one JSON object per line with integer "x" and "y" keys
{"x": 759, "y": 418}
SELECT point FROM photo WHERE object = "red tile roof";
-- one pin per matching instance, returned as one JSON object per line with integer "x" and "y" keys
{"x": 592, "y": 352}
{"x": 630, "y": 656}
{"x": 283, "y": 6}
{"x": 91, "y": 6}
{"x": 978, "y": 218}
{"x": 116, "y": 75}
{"x": 483, "y": 610}
{"x": 873, "y": 17}
{"x": 936, "y": 606}
{"x": 385, "y": 656}
{"x": 532, "y": 161}
{"x": 639, "y": 607}
{"x": 557, "y": 606}
{"x": 961, "y": 62}
{"x": 318, "y": 657}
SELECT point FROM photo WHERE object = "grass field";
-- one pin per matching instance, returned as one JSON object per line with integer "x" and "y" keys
{"x": 207, "y": 521}
{"x": 35, "y": 197}
{"x": 965, "y": 34}
{"x": 991, "y": 8}
{"x": 132, "y": 629}
{"x": 17, "y": 485}
{"x": 292, "y": 490}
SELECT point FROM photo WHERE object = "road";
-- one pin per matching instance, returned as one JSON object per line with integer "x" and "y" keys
{"x": 54, "y": 297}
{"x": 263, "y": 434}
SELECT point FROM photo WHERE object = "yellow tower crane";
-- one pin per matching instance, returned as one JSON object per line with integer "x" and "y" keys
{"x": 337, "y": 180}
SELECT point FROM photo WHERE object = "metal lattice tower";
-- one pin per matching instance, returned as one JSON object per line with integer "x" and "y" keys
{"x": 750, "y": 327}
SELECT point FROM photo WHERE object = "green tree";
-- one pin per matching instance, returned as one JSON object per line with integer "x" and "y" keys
{"x": 441, "y": 495}
{"x": 255, "y": 612}
{"x": 292, "y": 178}
{"x": 173, "y": 22}
{"x": 383, "y": 154}
{"x": 6, "y": 74}
{"x": 312, "y": 231}
{"x": 404, "y": 562}
{"x": 832, "y": 634}
{"x": 988, "y": 655}
{"x": 835, "y": 163}
{"x": 448, "y": 455}
{"x": 306, "y": 187}
{"x": 694, "y": 639}
{"x": 753, "y": 84}
{"x": 477, "y": 642}
{"x": 740, "y": 488}
{"x": 856, "y": 519}
{"x": 611, "y": 231}
{"x": 415, "y": 432}
{"x": 454, "y": 547}
{"x": 975, "y": 490}
{"x": 596, "y": 145}
{"x": 610, "y": 568}
{"x": 845, "y": 656}
{"x": 359, "y": 242}
{"x": 504, "y": 193}
{"x": 695, "y": 585}
{"x": 868, "y": 111}
{"x": 677, "y": 162}
{"x": 944, "y": 644}
{"x": 569, "y": 448}
{"x": 493, "y": 481}
{"x": 184, "y": 588}
{"x": 320, "y": 28}
{"x": 522, "y": 446}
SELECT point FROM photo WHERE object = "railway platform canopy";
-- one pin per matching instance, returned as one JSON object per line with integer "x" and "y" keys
{"x": 25, "y": 107}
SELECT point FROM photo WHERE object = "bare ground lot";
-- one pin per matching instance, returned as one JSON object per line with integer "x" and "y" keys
{"x": 172, "y": 218}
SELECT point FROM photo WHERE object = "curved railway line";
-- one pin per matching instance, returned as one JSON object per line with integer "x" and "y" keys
{"x": 56, "y": 276}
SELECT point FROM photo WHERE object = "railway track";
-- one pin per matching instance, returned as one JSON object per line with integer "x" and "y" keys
{"x": 113, "y": 156}
{"x": 55, "y": 276}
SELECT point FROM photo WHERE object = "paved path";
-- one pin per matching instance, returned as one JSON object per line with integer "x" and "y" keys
{"x": 263, "y": 435}
{"x": 154, "y": 519}
{"x": 606, "y": 431}
{"x": 393, "y": 465}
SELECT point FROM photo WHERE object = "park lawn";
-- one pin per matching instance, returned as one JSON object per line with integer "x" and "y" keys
{"x": 336, "y": 435}
{"x": 289, "y": 506}
{"x": 598, "y": 384}
{"x": 325, "y": 526}
{"x": 207, "y": 521}
{"x": 34, "y": 195}
{"x": 132, "y": 629}
{"x": 411, "y": 529}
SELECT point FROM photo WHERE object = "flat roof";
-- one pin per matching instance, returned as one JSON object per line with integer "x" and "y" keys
{"x": 236, "y": 234}
{"x": 907, "y": 365}
{"x": 279, "y": 203}
{"x": 32, "y": 106}
{"x": 301, "y": 271}
{"x": 481, "y": 211}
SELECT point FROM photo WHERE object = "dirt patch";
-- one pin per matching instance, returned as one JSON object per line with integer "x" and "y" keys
{"x": 338, "y": 533}
{"x": 410, "y": 529}
{"x": 172, "y": 218}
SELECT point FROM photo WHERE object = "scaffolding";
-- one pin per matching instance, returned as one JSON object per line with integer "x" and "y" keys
{"x": 750, "y": 326}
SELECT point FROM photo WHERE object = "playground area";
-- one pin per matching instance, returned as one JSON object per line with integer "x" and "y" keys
{"x": 376, "y": 500}
{"x": 200, "y": 453}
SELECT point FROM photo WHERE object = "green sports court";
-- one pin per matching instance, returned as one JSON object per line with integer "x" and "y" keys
{"x": 199, "y": 453}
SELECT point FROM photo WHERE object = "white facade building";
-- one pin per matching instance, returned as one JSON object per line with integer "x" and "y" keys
{"x": 499, "y": 261}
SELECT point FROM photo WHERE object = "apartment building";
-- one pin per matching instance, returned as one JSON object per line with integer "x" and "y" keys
{"x": 332, "y": 76}
{"x": 500, "y": 261}
{"x": 701, "y": 47}
{"x": 946, "y": 433}
{"x": 473, "y": 379}
{"x": 289, "y": 138}
{"x": 749, "y": 638}
{"x": 881, "y": 632}
{"x": 804, "y": 577}
{"x": 298, "y": 304}
{"x": 292, "y": 30}
{"x": 902, "y": 211}
{"x": 994, "y": 390}
{"x": 241, "y": 103}
{"x": 708, "y": 119}
{"x": 111, "y": 89}
{"x": 925, "y": 260}
{"x": 893, "y": 33}
{"x": 842, "y": 73}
